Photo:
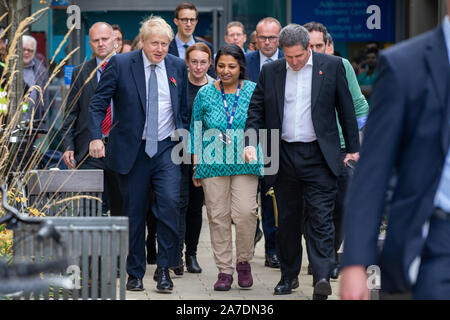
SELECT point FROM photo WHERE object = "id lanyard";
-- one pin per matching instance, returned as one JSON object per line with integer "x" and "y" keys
{"x": 230, "y": 118}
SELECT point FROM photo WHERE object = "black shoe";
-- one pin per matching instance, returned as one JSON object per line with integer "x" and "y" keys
{"x": 258, "y": 236}
{"x": 335, "y": 272}
{"x": 192, "y": 265}
{"x": 178, "y": 270}
{"x": 272, "y": 261}
{"x": 134, "y": 284}
{"x": 164, "y": 283}
{"x": 309, "y": 269}
{"x": 285, "y": 286}
{"x": 322, "y": 289}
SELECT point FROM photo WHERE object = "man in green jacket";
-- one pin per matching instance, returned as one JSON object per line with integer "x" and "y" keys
{"x": 318, "y": 34}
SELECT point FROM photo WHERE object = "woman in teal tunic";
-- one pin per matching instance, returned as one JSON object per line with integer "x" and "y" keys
{"x": 229, "y": 183}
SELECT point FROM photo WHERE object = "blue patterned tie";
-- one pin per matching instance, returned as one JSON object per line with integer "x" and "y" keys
{"x": 268, "y": 60}
{"x": 151, "y": 144}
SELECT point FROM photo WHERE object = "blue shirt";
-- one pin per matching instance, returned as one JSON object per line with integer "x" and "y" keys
{"x": 442, "y": 198}
{"x": 446, "y": 29}
{"x": 180, "y": 46}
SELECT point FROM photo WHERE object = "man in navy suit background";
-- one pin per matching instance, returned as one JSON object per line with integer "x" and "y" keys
{"x": 267, "y": 31}
{"x": 408, "y": 133}
{"x": 186, "y": 19}
{"x": 148, "y": 88}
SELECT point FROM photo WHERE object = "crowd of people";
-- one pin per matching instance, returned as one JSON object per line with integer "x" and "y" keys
{"x": 131, "y": 104}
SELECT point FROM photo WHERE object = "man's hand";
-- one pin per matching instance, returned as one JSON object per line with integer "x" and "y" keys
{"x": 353, "y": 284}
{"x": 97, "y": 149}
{"x": 68, "y": 158}
{"x": 250, "y": 154}
{"x": 351, "y": 156}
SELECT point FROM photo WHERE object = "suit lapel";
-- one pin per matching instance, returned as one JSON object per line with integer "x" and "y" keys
{"x": 280, "y": 85}
{"x": 317, "y": 79}
{"x": 255, "y": 66}
{"x": 172, "y": 73}
{"x": 437, "y": 60}
{"x": 138, "y": 72}
{"x": 92, "y": 84}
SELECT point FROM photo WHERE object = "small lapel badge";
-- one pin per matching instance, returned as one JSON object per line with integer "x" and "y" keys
{"x": 320, "y": 72}
{"x": 173, "y": 81}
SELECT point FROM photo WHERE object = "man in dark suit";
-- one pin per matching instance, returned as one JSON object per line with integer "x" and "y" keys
{"x": 148, "y": 88}
{"x": 75, "y": 128}
{"x": 296, "y": 99}
{"x": 267, "y": 31}
{"x": 408, "y": 133}
{"x": 186, "y": 19}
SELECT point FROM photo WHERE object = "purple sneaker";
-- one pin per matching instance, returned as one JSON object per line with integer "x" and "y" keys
{"x": 245, "y": 279}
{"x": 224, "y": 282}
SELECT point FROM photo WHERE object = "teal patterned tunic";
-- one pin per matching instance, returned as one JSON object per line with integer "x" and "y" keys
{"x": 209, "y": 119}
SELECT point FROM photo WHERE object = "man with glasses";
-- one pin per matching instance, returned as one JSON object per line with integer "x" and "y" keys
{"x": 235, "y": 34}
{"x": 34, "y": 73}
{"x": 267, "y": 31}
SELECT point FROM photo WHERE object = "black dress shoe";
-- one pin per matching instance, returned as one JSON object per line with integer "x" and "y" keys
{"x": 272, "y": 261}
{"x": 164, "y": 283}
{"x": 178, "y": 270}
{"x": 192, "y": 265}
{"x": 285, "y": 286}
{"x": 322, "y": 289}
{"x": 134, "y": 284}
{"x": 335, "y": 272}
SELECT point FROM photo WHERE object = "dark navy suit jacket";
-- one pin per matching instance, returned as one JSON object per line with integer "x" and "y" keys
{"x": 407, "y": 132}
{"x": 124, "y": 81}
{"x": 253, "y": 61}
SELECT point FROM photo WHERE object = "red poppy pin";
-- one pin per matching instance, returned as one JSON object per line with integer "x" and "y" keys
{"x": 174, "y": 82}
{"x": 320, "y": 72}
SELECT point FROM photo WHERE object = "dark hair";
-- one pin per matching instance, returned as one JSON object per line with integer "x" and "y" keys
{"x": 316, "y": 26}
{"x": 236, "y": 52}
{"x": 372, "y": 50}
{"x": 185, "y": 5}
{"x": 117, "y": 28}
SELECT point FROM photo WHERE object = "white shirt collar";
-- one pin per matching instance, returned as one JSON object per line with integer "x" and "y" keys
{"x": 308, "y": 63}
{"x": 147, "y": 62}
{"x": 181, "y": 43}
{"x": 264, "y": 58}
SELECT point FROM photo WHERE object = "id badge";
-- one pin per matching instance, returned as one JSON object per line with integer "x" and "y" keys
{"x": 224, "y": 138}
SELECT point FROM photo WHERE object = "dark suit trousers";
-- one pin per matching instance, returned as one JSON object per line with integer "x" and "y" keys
{"x": 192, "y": 200}
{"x": 433, "y": 281}
{"x": 268, "y": 219}
{"x": 110, "y": 185}
{"x": 304, "y": 173}
{"x": 163, "y": 176}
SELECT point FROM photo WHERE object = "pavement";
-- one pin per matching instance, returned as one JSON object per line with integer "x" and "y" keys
{"x": 192, "y": 286}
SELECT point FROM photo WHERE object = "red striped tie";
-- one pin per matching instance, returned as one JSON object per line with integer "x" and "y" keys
{"x": 106, "y": 123}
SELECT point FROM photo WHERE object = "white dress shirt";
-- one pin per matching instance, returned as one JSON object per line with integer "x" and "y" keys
{"x": 166, "y": 122}
{"x": 263, "y": 58}
{"x": 297, "y": 122}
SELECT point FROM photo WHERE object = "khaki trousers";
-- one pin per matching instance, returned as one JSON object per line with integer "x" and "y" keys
{"x": 231, "y": 198}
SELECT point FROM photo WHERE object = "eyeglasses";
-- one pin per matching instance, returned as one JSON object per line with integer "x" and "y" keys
{"x": 186, "y": 20}
{"x": 264, "y": 39}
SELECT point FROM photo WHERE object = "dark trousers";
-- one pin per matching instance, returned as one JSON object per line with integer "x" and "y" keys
{"x": 433, "y": 281}
{"x": 192, "y": 200}
{"x": 304, "y": 173}
{"x": 111, "y": 194}
{"x": 268, "y": 219}
{"x": 163, "y": 176}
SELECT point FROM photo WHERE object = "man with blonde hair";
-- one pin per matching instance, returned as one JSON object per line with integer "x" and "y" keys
{"x": 148, "y": 88}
